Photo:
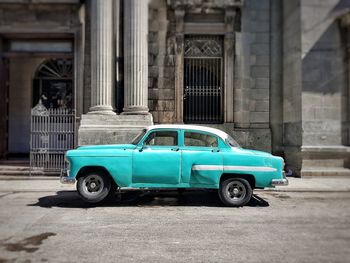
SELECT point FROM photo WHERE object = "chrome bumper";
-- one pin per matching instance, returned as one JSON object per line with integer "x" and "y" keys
{"x": 279, "y": 182}
{"x": 64, "y": 177}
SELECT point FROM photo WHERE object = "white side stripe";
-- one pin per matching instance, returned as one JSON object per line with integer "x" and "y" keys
{"x": 207, "y": 167}
{"x": 232, "y": 168}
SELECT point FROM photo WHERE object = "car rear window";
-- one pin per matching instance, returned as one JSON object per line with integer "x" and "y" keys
{"x": 200, "y": 139}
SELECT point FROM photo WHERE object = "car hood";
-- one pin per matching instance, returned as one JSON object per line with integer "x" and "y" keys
{"x": 251, "y": 152}
{"x": 107, "y": 147}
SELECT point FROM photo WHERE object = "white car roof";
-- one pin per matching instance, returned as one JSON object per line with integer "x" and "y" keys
{"x": 223, "y": 135}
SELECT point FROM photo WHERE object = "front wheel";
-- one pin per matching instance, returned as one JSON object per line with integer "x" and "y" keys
{"x": 235, "y": 192}
{"x": 94, "y": 187}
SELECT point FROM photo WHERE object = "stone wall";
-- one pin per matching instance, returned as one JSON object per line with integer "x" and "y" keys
{"x": 87, "y": 60}
{"x": 292, "y": 131}
{"x": 252, "y": 71}
{"x": 256, "y": 23}
{"x": 30, "y": 16}
{"x": 323, "y": 75}
{"x": 252, "y": 83}
{"x": 324, "y": 90}
{"x": 276, "y": 77}
{"x": 161, "y": 80}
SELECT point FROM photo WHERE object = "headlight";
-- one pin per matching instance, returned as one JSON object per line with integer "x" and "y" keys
{"x": 66, "y": 163}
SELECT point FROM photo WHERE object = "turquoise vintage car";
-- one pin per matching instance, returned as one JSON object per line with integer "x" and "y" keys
{"x": 174, "y": 156}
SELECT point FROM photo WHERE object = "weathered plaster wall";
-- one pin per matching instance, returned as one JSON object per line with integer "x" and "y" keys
{"x": 22, "y": 71}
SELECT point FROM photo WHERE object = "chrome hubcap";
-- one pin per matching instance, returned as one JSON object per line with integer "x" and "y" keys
{"x": 93, "y": 184}
{"x": 236, "y": 191}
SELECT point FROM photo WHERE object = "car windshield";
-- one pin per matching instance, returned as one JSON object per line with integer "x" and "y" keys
{"x": 137, "y": 139}
{"x": 232, "y": 142}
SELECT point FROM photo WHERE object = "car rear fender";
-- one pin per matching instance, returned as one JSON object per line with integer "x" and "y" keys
{"x": 249, "y": 177}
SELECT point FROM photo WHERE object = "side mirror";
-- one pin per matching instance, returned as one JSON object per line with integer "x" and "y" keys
{"x": 142, "y": 147}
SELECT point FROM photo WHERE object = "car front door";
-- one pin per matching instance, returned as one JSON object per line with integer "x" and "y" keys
{"x": 202, "y": 161}
{"x": 158, "y": 159}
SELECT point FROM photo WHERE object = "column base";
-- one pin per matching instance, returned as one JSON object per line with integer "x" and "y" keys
{"x": 102, "y": 110}
{"x": 111, "y": 129}
{"x": 135, "y": 110}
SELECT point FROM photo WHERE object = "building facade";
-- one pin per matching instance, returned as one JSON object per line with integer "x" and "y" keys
{"x": 272, "y": 73}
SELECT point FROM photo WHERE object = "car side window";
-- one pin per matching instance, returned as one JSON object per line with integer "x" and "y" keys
{"x": 161, "y": 138}
{"x": 200, "y": 139}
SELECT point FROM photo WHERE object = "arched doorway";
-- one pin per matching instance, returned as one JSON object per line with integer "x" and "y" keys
{"x": 53, "y": 84}
{"x": 53, "y": 116}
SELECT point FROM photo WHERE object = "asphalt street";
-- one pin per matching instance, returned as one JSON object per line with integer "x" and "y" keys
{"x": 42, "y": 221}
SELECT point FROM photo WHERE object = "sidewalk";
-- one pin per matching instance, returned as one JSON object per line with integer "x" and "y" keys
{"x": 315, "y": 184}
{"x": 52, "y": 183}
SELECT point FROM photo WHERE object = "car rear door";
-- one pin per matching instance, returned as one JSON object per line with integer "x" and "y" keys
{"x": 202, "y": 161}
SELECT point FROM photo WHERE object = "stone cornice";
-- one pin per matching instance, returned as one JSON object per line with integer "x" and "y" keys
{"x": 198, "y": 6}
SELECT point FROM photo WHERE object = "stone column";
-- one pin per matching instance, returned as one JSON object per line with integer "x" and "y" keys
{"x": 135, "y": 57}
{"x": 229, "y": 42}
{"x": 102, "y": 50}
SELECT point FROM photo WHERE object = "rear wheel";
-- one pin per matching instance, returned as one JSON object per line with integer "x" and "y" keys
{"x": 235, "y": 192}
{"x": 94, "y": 186}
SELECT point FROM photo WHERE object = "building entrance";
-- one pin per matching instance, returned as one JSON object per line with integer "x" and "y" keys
{"x": 31, "y": 71}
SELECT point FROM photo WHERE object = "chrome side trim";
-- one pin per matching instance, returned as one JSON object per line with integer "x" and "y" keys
{"x": 232, "y": 168}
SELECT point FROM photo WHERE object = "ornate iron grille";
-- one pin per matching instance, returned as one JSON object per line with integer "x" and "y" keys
{"x": 203, "y": 89}
{"x": 52, "y": 134}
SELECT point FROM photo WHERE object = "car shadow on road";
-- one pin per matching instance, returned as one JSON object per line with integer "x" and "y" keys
{"x": 71, "y": 199}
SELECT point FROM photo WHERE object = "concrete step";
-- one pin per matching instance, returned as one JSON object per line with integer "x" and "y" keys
{"x": 20, "y": 169}
{"x": 13, "y": 168}
{"x": 15, "y": 162}
{"x": 325, "y": 171}
{"x": 20, "y": 173}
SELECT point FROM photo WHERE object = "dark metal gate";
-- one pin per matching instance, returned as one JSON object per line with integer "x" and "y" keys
{"x": 52, "y": 134}
{"x": 203, "y": 84}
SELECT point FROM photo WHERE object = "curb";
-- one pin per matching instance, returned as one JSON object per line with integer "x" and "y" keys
{"x": 27, "y": 177}
{"x": 304, "y": 190}
{"x": 320, "y": 188}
